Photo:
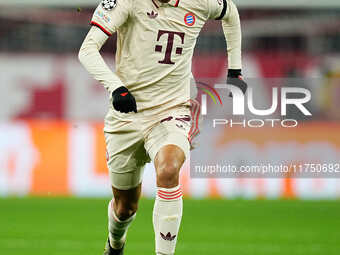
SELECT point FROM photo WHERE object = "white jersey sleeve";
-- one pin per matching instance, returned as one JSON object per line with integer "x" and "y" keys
{"x": 107, "y": 19}
{"x": 93, "y": 62}
{"x": 111, "y": 14}
{"x": 226, "y": 11}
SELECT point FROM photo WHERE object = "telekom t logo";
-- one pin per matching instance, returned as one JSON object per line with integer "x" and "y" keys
{"x": 169, "y": 46}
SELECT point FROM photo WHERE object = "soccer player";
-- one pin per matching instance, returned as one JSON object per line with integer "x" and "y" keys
{"x": 150, "y": 118}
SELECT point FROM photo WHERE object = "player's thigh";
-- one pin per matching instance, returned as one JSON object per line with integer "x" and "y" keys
{"x": 126, "y": 158}
{"x": 172, "y": 129}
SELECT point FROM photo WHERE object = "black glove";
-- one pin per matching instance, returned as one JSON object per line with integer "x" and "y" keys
{"x": 235, "y": 78}
{"x": 123, "y": 101}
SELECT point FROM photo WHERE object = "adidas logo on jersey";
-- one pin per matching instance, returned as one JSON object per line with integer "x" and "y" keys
{"x": 152, "y": 14}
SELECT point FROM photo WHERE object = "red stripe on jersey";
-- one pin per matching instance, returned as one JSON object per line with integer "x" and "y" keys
{"x": 101, "y": 28}
{"x": 176, "y": 4}
{"x": 192, "y": 111}
{"x": 194, "y": 130}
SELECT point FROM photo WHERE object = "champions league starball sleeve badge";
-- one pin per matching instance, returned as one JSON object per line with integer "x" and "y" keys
{"x": 109, "y": 4}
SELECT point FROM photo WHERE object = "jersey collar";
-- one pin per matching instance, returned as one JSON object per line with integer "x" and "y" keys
{"x": 171, "y": 2}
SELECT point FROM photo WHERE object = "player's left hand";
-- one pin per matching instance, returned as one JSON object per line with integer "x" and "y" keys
{"x": 235, "y": 78}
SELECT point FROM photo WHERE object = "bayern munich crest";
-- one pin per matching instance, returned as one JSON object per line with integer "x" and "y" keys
{"x": 189, "y": 19}
{"x": 109, "y": 4}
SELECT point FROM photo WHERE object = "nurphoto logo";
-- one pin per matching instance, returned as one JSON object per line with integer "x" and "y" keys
{"x": 281, "y": 98}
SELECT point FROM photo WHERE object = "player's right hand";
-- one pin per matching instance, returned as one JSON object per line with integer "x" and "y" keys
{"x": 123, "y": 101}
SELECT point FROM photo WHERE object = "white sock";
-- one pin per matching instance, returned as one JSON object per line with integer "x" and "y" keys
{"x": 117, "y": 228}
{"x": 167, "y": 215}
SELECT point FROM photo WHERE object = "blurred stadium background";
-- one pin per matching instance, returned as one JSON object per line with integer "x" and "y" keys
{"x": 51, "y": 110}
{"x": 51, "y": 141}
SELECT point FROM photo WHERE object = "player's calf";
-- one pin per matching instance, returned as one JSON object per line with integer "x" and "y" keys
{"x": 121, "y": 212}
{"x": 126, "y": 202}
{"x": 167, "y": 213}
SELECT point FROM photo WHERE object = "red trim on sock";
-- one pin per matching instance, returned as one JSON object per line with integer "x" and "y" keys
{"x": 170, "y": 195}
{"x": 172, "y": 198}
{"x": 169, "y": 192}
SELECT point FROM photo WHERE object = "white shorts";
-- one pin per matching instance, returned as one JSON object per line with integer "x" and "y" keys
{"x": 138, "y": 140}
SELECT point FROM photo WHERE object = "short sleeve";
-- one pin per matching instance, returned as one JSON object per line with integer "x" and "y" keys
{"x": 111, "y": 14}
{"x": 217, "y": 9}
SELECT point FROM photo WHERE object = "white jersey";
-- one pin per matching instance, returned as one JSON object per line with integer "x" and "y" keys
{"x": 156, "y": 42}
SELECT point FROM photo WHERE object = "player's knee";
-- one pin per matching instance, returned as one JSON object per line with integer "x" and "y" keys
{"x": 168, "y": 174}
{"x": 168, "y": 163}
{"x": 125, "y": 210}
